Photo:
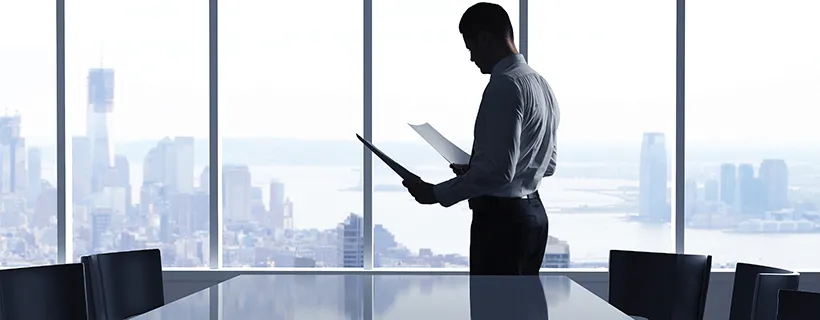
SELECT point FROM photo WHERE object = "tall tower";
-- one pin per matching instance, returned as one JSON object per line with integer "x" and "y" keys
{"x": 774, "y": 175}
{"x": 12, "y": 155}
{"x": 749, "y": 190}
{"x": 100, "y": 104}
{"x": 35, "y": 159}
{"x": 351, "y": 242}
{"x": 653, "y": 173}
{"x": 728, "y": 183}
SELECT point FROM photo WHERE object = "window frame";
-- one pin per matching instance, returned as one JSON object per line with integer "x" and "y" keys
{"x": 64, "y": 219}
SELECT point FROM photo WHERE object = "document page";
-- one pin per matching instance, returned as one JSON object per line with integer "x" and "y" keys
{"x": 444, "y": 147}
{"x": 399, "y": 169}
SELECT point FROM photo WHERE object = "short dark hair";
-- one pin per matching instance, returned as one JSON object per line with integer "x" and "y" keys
{"x": 487, "y": 17}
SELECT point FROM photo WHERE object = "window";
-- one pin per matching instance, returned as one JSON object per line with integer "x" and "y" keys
{"x": 290, "y": 100}
{"x": 137, "y": 121}
{"x": 611, "y": 65}
{"x": 421, "y": 73}
{"x": 28, "y": 157}
{"x": 752, "y": 90}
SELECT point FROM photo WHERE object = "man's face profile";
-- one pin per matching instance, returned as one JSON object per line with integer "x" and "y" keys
{"x": 479, "y": 49}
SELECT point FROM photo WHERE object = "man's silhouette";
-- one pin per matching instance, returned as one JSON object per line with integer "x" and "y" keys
{"x": 513, "y": 148}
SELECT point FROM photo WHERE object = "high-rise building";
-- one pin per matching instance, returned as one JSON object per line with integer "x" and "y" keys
{"x": 159, "y": 165}
{"x": 45, "y": 207}
{"x": 276, "y": 206}
{"x": 774, "y": 176}
{"x": 653, "y": 177}
{"x": 184, "y": 147}
{"x": 80, "y": 169}
{"x": 100, "y": 224}
{"x": 287, "y": 222}
{"x": 12, "y": 155}
{"x": 35, "y": 174}
{"x": 205, "y": 180}
{"x": 351, "y": 242}
{"x": 749, "y": 191}
{"x": 100, "y": 104}
{"x": 557, "y": 254}
{"x": 122, "y": 177}
{"x": 728, "y": 183}
{"x": 236, "y": 193}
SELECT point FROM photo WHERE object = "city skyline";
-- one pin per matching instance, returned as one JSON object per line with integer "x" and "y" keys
{"x": 137, "y": 121}
{"x": 768, "y": 171}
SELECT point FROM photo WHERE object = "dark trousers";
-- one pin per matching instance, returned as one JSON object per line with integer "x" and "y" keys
{"x": 508, "y": 236}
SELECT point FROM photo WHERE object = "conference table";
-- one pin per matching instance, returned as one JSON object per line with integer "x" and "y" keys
{"x": 390, "y": 297}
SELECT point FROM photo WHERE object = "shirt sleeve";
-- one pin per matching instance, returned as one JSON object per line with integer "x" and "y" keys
{"x": 497, "y": 140}
{"x": 553, "y": 162}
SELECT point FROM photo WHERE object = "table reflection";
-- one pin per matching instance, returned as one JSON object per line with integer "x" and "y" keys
{"x": 390, "y": 297}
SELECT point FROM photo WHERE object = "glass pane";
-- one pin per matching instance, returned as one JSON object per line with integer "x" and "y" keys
{"x": 612, "y": 67}
{"x": 28, "y": 146}
{"x": 137, "y": 120}
{"x": 422, "y": 73}
{"x": 290, "y": 99}
{"x": 752, "y": 90}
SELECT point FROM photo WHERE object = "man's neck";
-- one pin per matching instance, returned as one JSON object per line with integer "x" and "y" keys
{"x": 504, "y": 51}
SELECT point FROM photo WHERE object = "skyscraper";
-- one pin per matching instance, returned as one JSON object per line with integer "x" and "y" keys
{"x": 80, "y": 169}
{"x": 184, "y": 147}
{"x": 236, "y": 193}
{"x": 748, "y": 190}
{"x": 159, "y": 165}
{"x": 728, "y": 183}
{"x": 276, "y": 204}
{"x": 34, "y": 185}
{"x": 100, "y": 104}
{"x": 774, "y": 176}
{"x": 351, "y": 242}
{"x": 653, "y": 177}
{"x": 12, "y": 155}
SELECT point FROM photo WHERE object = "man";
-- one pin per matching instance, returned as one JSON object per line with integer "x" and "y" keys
{"x": 513, "y": 148}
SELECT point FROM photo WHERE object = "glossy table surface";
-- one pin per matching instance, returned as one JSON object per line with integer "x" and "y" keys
{"x": 390, "y": 297}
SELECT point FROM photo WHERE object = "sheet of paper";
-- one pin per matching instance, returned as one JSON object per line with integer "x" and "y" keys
{"x": 444, "y": 147}
{"x": 399, "y": 169}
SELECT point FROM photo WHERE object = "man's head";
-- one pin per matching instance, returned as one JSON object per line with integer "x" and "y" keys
{"x": 488, "y": 34}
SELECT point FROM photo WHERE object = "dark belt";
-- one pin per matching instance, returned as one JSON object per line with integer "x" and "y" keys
{"x": 489, "y": 201}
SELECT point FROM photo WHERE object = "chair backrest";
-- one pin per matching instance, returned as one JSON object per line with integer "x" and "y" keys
{"x": 55, "y": 292}
{"x": 659, "y": 286}
{"x": 123, "y": 284}
{"x": 754, "y": 292}
{"x": 798, "y": 305}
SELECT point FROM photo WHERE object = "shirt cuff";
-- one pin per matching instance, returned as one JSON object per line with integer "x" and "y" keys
{"x": 444, "y": 194}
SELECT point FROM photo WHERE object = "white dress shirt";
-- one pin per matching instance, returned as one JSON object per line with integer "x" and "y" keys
{"x": 514, "y": 137}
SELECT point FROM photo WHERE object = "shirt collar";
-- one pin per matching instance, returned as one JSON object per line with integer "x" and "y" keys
{"x": 508, "y": 61}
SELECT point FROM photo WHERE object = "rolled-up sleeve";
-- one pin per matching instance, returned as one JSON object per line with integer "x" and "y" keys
{"x": 553, "y": 161}
{"x": 496, "y": 146}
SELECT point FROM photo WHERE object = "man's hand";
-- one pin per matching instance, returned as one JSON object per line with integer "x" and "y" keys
{"x": 422, "y": 191}
{"x": 459, "y": 169}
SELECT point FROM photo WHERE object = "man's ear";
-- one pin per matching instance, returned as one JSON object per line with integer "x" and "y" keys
{"x": 481, "y": 39}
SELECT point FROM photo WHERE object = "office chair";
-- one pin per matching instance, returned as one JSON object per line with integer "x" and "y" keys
{"x": 755, "y": 288}
{"x": 798, "y": 305}
{"x": 659, "y": 286}
{"x": 55, "y": 292}
{"x": 123, "y": 284}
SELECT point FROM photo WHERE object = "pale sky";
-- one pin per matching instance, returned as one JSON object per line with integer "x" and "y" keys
{"x": 294, "y": 68}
